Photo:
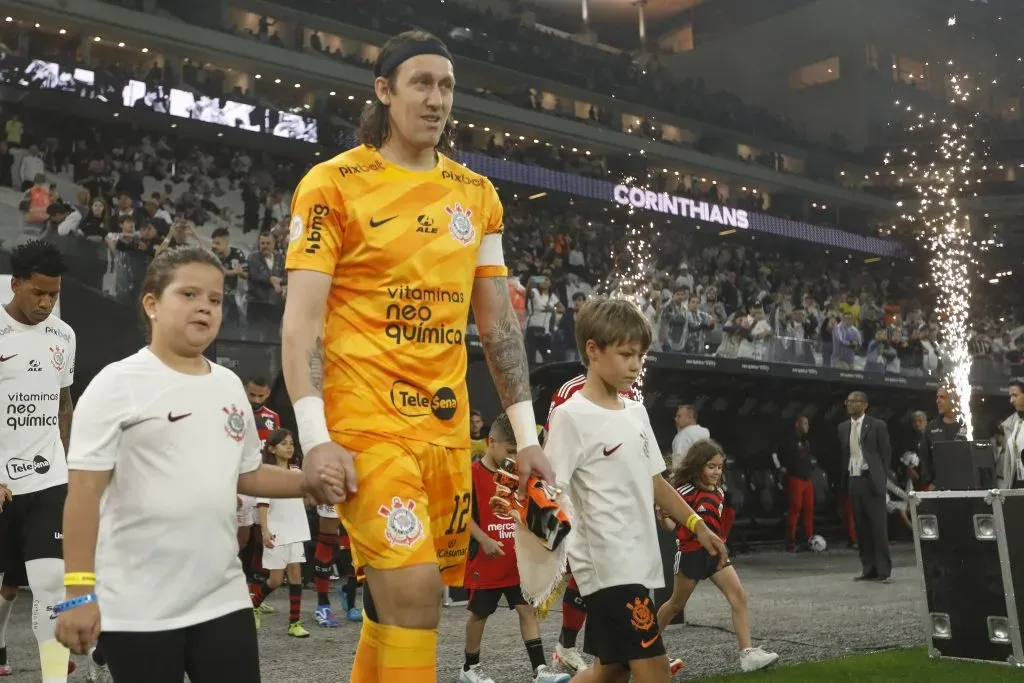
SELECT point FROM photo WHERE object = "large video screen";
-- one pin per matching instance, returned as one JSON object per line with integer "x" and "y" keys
{"x": 38, "y": 74}
{"x": 220, "y": 111}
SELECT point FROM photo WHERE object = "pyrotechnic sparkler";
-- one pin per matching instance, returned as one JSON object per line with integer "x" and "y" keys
{"x": 633, "y": 267}
{"x": 941, "y": 224}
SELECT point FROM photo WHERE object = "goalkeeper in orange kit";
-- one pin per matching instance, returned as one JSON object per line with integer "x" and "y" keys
{"x": 391, "y": 243}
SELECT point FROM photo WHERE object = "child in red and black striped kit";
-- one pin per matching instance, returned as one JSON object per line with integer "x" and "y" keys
{"x": 492, "y": 572}
{"x": 698, "y": 480}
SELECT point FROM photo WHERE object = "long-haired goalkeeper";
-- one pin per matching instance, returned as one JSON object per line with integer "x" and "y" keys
{"x": 391, "y": 242}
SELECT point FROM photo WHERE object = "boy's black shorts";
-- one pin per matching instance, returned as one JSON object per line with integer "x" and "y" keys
{"x": 622, "y": 625}
{"x": 483, "y": 602}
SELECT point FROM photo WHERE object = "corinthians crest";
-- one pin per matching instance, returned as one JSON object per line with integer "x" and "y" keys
{"x": 403, "y": 527}
{"x": 58, "y": 357}
{"x": 460, "y": 226}
{"x": 235, "y": 424}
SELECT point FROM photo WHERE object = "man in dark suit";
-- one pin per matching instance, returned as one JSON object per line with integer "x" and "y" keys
{"x": 864, "y": 466}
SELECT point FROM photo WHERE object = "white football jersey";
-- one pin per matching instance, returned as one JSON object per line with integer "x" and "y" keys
{"x": 167, "y": 555}
{"x": 286, "y": 519}
{"x": 606, "y": 461}
{"x": 36, "y": 362}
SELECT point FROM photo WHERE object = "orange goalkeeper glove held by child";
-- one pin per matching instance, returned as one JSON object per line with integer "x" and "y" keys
{"x": 539, "y": 512}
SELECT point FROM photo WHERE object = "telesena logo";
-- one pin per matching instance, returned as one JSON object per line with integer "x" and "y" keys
{"x": 413, "y": 401}
{"x": 19, "y": 468}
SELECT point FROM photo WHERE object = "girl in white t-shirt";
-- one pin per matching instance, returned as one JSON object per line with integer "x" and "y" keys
{"x": 285, "y": 530}
{"x": 162, "y": 442}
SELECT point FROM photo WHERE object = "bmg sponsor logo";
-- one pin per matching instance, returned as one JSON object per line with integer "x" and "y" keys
{"x": 19, "y": 468}
{"x": 356, "y": 169}
{"x": 413, "y": 401}
{"x": 315, "y": 229}
{"x": 465, "y": 179}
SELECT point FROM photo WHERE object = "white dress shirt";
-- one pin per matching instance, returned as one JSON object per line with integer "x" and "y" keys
{"x": 857, "y": 462}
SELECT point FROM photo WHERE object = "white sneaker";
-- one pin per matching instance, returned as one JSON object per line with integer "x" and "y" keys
{"x": 474, "y": 675}
{"x": 546, "y": 675}
{"x": 754, "y": 658}
{"x": 568, "y": 658}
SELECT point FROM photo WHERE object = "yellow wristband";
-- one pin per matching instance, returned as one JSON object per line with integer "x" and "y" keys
{"x": 80, "y": 579}
{"x": 692, "y": 521}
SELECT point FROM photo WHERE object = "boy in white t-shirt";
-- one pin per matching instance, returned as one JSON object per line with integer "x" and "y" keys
{"x": 607, "y": 459}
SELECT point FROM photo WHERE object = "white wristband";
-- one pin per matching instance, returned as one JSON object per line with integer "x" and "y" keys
{"x": 309, "y": 418}
{"x": 524, "y": 424}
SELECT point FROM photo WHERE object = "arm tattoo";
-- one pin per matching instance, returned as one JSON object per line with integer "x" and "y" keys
{"x": 316, "y": 365}
{"x": 505, "y": 352}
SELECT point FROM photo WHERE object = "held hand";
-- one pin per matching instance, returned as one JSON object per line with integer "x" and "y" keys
{"x": 532, "y": 461}
{"x": 268, "y": 539}
{"x": 492, "y": 548}
{"x": 79, "y": 628}
{"x": 713, "y": 544}
{"x": 330, "y": 473}
{"x": 5, "y": 495}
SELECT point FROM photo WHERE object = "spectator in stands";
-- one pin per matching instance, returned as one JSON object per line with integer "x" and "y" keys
{"x": 6, "y": 166}
{"x": 542, "y": 307}
{"x": 688, "y": 433}
{"x": 846, "y": 340}
{"x": 182, "y": 233}
{"x": 235, "y": 267}
{"x": 14, "y": 129}
{"x": 564, "y": 339}
{"x": 32, "y": 167}
{"x": 697, "y": 324}
{"x": 35, "y": 201}
{"x": 126, "y": 208}
{"x": 673, "y": 321}
{"x": 267, "y": 279}
{"x": 131, "y": 255}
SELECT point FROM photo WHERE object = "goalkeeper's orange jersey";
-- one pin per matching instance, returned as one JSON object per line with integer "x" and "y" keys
{"x": 403, "y": 248}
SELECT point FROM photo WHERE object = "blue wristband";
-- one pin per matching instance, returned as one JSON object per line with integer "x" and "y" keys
{"x": 62, "y": 607}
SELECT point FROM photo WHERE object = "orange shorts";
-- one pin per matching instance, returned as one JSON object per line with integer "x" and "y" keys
{"x": 412, "y": 506}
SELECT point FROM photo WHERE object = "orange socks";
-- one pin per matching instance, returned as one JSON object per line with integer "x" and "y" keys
{"x": 405, "y": 655}
{"x": 365, "y": 668}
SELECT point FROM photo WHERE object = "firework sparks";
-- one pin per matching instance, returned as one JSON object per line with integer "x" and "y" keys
{"x": 942, "y": 178}
{"x": 632, "y": 267}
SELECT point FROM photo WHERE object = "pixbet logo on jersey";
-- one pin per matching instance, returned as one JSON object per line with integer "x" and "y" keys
{"x": 412, "y": 401}
{"x": 19, "y": 468}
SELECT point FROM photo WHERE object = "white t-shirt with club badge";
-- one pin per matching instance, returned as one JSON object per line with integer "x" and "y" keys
{"x": 606, "y": 461}
{"x": 36, "y": 363}
{"x": 167, "y": 555}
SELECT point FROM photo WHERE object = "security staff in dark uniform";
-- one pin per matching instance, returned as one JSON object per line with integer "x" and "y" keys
{"x": 948, "y": 426}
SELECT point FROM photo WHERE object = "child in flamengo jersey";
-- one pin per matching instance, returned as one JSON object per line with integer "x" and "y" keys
{"x": 285, "y": 529}
{"x": 607, "y": 460}
{"x": 698, "y": 479}
{"x": 492, "y": 571}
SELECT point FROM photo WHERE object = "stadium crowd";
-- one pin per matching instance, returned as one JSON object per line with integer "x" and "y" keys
{"x": 139, "y": 194}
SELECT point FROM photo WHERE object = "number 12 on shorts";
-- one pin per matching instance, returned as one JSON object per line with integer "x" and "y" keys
{"x": 460, "y": 510}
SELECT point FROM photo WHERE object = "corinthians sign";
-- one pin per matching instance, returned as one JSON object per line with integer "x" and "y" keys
{"x": 663, "y": 202}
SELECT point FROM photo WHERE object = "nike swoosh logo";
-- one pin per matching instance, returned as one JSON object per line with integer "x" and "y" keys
{"x": 175, "y": 418}
{"x": 374, "y": 223}
{"x": 4, "y": 359}
{"x": 647, "y": 643}
{"x": 609, "y": 451}
{"x": 448, "y": 566}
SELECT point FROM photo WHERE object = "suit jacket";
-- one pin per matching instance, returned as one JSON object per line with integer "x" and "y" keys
{"x": 874, "y": 446}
